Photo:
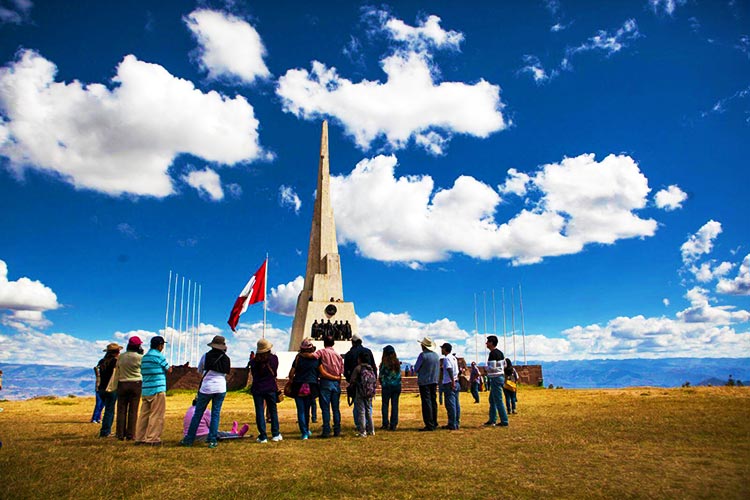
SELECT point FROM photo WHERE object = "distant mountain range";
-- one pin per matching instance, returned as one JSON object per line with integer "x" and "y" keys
{"x": 27, "y": 381}
{"x": 667, "y": 372}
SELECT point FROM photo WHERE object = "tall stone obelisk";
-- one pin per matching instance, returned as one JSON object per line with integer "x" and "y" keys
{"x": 322, "y": 297}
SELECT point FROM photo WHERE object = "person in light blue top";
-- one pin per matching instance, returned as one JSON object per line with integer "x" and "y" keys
{"x": 154, "y": 369}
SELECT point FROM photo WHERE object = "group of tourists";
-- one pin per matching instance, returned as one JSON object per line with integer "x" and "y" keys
{"x": 129, "y": 378}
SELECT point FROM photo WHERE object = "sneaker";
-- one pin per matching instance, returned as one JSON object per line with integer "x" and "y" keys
{"x": 309, "y": 433}
{"x": 184, "y": 443}
{"x": 235, "y": 426}
{"x": 213, "y": 444}
{"x": 513, "y": 412}
{"x": 278, "y": 438}
{"x": 261, "y": 440}
{"x": 304, "y": 437}
{"x": 489, "y": 424}
{"x": 360, "y": 435}
{"x": 502, "y": 424}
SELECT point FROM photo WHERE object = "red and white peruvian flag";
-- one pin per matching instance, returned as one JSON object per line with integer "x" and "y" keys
{"x": 254, "y": 291}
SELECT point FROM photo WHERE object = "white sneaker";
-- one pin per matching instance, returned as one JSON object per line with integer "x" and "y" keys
{"x": 259, "y": 440}
{"x": 361, "y": 434}
{"x": 278, "y": 438}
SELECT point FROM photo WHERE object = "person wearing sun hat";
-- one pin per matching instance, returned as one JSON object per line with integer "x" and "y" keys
{"x": 305, "y": 387}
{"x": 264, "y": 367}
{"x": 106, "y": 367}
{"x": 215, "y": 366}
{"x": 427, "y": 368}
{"x": 129, "y": 381}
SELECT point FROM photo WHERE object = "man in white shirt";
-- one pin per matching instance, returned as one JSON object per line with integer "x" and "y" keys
{"x": 450, "y": 384}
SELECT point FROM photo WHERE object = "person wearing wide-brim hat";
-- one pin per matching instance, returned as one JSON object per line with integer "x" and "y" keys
{"x": 215, "y": 366}
{"x": 428, "y": 371}
{"x": 106, "y": 368}
{"x": 264, "y": 367}
{"x": 305, "y": 387}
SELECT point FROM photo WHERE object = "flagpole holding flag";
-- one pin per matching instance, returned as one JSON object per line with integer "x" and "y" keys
{"x": 254, "y": 291}
{"x": 265, "y": 288}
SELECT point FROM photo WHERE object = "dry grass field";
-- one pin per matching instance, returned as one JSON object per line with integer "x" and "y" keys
{"x": 629, "y": 443}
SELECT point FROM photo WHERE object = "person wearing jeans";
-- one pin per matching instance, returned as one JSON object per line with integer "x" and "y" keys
{"x": 449, "y": 382}
{"x": 496, "y": 379}
{"x": 474, "y": 381}
{"x": 106, "y": 368}
{"x": 263, "y": 368}
{"x": 428, "y": 372}
{"x": 390, "y": 385}
{"x": 305, "y": 387}
{"x": 330, "y": 370}
{"x": 215, "y": 365}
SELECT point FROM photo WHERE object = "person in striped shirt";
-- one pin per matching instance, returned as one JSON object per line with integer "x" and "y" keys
{"x": 154, "y": 369}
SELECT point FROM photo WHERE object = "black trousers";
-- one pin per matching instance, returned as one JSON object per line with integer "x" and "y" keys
{"x": 128, "y": 399}
{"x": 428, "y": 395}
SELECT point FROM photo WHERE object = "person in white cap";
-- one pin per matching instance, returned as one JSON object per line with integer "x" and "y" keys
{"x": 428, "y": 371}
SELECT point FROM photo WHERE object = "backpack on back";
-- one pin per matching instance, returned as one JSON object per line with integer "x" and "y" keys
{"x": 367, "y": 383}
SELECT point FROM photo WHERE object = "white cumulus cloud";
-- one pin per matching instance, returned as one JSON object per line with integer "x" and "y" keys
{"x": 25, "y": 298}
{"x": 580, "y": 201}
{"x": 670, "y": 198}
{"x": 739, "y": 285}
{"x": 428, "y": 32}
{"x": 288, "y": 198}
{"x": 15, "y": 11}
{"x": 207, "y": 182}
{"x": 229, "y": 46}
{"x": 700, "y": 243}
{"x": 411, "y": 105}
{"x": 119, "y": 140}
{"x": 283, "y": 298}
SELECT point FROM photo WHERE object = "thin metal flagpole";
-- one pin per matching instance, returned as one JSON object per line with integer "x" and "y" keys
{"x": 174, "y": 314}
{"x": 197, "y": 334}
{"x": 476, "y": 331}
{"x": 484, "y": 302}
{"x": 192, "y": 331}
{"x": 186, "y": 333}
{"x": 505, "y": 343}
{"x": 182, "y": 303}
{"x": 523, "y": 326}
{"x": 494, "y": 314}
{"x": 265, "y": 296}
{"x": 166, "y": 313}
{"x": 513, "y": 322}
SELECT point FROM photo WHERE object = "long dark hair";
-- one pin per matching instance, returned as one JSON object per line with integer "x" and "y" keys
{"x": 390, "y": 361}
{"x": 262, "y": 360}
{"x": 508, "y": 367}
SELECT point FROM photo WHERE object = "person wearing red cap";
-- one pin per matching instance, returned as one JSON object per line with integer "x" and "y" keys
{"x": 128, "y": 389}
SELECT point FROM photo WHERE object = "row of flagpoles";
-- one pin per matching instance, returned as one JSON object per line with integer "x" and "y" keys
{"x": 183, "y": 342}
{"x": 505, "y": 328}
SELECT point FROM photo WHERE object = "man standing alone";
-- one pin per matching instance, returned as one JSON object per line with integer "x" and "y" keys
{"x": 428, "y": 370}
{"x": 496, "y": 379}
{"x": 154, "y": 369}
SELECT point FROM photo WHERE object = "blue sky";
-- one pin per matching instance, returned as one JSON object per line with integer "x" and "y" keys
{"x": 595, "y": 156}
